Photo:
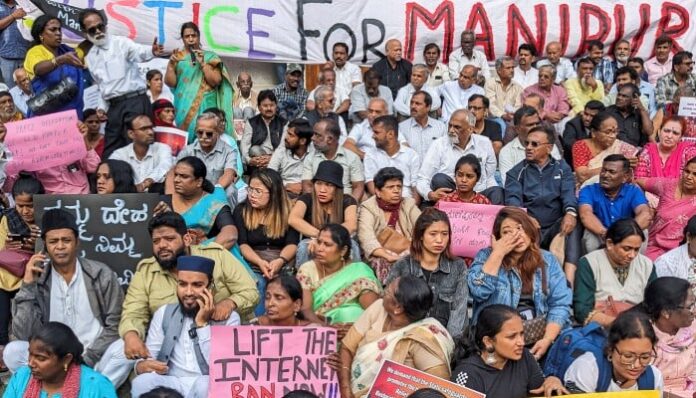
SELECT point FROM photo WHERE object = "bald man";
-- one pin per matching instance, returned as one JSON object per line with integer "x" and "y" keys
{"x": 564, "y": 68}
{"x": 395, "y": 71}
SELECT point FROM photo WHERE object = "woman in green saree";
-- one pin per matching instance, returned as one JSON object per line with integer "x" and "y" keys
{"x": 198, "y": 79}
{"x": 334, "y": 288}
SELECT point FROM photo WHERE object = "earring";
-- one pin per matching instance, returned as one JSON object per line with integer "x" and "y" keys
{"x": 490, "y": 356}
{"x": 65, "y": 367}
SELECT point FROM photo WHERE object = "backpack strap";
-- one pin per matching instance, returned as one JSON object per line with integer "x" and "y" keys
{"x": 646, "y": 381}
{"x": 605, "y": 374}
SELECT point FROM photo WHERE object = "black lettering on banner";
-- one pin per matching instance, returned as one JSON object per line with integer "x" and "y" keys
{"x": 327, "y": 36}
{"x": 372, "y": 46}
{"x": 112, "y": 228}
{"x": 304, "y": 34}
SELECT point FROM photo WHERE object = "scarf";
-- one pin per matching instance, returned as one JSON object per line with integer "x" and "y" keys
{"x": 71, "y": 385}
{"x": 391, "y": 208}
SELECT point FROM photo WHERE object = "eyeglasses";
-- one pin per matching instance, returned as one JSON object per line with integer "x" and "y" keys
{"x": 629, "y": 358}
{"x": 257, "y": 191}
{"x": 206, "y": 134}
{"x": 534, "y": 144}
{"x": 94, "y": 29}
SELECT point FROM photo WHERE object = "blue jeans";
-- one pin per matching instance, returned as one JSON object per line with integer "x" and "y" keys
{"x": 7, "y": 68}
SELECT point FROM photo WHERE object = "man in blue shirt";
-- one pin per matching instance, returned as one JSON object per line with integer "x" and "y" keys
{"x": 13, "y": 47}
{"x": 609, "y": 200}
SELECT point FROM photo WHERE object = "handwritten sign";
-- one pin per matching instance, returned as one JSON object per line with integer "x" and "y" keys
{"x": 257, "y": 361}
{"x": 112, "y": 228}
{"x": 397, "y": 380}
{"x": 43, "y": 142}
{"x": 687, "y": 107}
{"x": 472, "y": 225}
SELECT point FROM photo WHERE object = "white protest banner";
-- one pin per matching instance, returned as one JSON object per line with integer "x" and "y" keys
{"x": 305, "y": 30}
{"x": 44, "y": 141}
{"x": 687, "y": 107}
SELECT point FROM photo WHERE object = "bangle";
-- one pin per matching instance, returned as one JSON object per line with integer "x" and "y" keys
{"x": 54, "y": 62}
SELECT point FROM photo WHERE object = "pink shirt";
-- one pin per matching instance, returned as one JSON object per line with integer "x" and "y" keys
{"x": 656, "y": 70}
{"x": 671, "y": 216}
{"x": 69, "y": 179}
{"x": 554, "y": 101}
{"x": 676, "y": 359}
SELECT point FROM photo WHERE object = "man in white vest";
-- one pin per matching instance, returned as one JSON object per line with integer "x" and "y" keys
{"x": 179, "y": 334}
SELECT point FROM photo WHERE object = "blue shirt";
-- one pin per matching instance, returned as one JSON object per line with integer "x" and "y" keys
{"x": 608, "y": 210}
{"x": 92, "y": 385}
{"x": 12, "y": 44}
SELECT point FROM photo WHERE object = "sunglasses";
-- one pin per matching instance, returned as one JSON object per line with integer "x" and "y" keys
{"x": 206, "y": 134}
{"x": 534, "y": 144}
{"x": 94, "y": 29}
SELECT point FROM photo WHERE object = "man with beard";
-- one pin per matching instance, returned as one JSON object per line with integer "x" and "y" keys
{"x": 181, "y": 360}
{"x": 609, "y": 200}
{"x": 525, "y": 73}
{"x": 113, "y": 64}
{"x": 154, "y": 283}
{"x": 585, "y": 87}
{"x": 288, "y": 160}
{"x": 8, "y": 110}
{"x": 262, "y": 133}
{"x": 291, "y": 94}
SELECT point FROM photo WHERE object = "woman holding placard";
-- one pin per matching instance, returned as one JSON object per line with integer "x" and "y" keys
{"x": 516, "y": 272}
{"x": 432, "y": 261}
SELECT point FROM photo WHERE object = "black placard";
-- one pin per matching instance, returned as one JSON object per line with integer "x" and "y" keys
{"x": 68, "y": 15}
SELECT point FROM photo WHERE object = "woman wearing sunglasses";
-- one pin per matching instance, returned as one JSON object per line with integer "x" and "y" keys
{"x": 627, "y": 363}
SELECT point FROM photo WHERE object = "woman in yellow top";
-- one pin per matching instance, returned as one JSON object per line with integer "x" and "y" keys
{"x": 50, "y": 62}
{"x": 17, "y": 232}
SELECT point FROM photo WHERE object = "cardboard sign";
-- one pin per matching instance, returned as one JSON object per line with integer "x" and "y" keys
{"x": 43, "y": 142}
{"x": 397, "y": 380}
{"x": 687, "y": 107}
{"x": 112, "y": 228}
{"x": 269, "y": 362}
{"x": 472, "y": 226}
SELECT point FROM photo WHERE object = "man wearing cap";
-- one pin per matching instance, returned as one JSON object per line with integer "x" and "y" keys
{"x": 81, "y": 293}
{"x": 154, "y": 283}
{"x": 179, "y": 334}
{"x": 291, "y": 95}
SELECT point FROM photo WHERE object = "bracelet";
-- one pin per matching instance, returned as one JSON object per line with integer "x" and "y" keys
{"x": 54, "y": 62}
{"x": 589, "y": 317}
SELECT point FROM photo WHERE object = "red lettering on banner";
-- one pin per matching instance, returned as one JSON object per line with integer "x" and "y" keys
{"x": 238, "y": 388}
{"x": 516, "y": 24}
{"x": 603, "y": 20}
{"x": 619, "y": 22}
{"x": 479, "y": 16}
{"x": 637, "y": 40}
{"x": 414, "y": 12}
{"x": 110, "y": 9}
{"x": 674, "y": 31}
{"x": 196, "y": 13}
{"x": 564, "y": 35}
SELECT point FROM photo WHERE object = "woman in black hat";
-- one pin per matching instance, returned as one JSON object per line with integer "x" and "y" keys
{"x": 325, "y": 204}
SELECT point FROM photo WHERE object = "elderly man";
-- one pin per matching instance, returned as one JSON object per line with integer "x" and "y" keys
{"x": 360, "y": 138}
{"x": 361, "y": 95}
{"x": 467, "y": 55}
{"x": 8, "y": 110}
{"x": 455, "y": 94}
{"x": 556, "y": 106}
{"x": 419, "y": 76}
{"x": 347, "y": 75}
{"x": 395, "y": 71}
{"x": 564, "y": 68}
{"x": 420, "y": 130}
{"x": 585, "y": 87}
{"x": 245, "y": 100}
{"x": 325, "y": 101}
{"x": 526, "y": 74}
{"x": 326, "y": 147}
{"x": 503, "y": 91}
{"x": 681, "y": 76}
{"x": 21, "y": 92}
{"x": 609, "y": 200}
{"x": 436, "y": 175}
{"x": 546, "y": 188}
{"x": 291, "y": 95}
{"x": 327, "y": 77}
{"x": 622, "y": 53}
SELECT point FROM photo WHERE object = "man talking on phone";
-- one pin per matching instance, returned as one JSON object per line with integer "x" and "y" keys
{"x": 634, "y": 121}
{"x": 179, "y": 334}
{"x": 80, "y": 293}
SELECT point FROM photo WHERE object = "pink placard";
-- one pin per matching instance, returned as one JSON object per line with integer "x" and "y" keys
{"x": 265, "y": 361}
{"x": 43, "y": 142}
{"x": 472, "y": 225}
{"x": 397, "y": 380}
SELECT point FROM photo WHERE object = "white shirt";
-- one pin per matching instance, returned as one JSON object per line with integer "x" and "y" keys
{"x": 454, "y": 97}
{"x": 359, "y": 99}
{"x": 346, "y": 76}
{"x": 418, "y": 137}
{"x": 20, "y": 98}
{"x": 438, "y": 76}
{"x": 339, "y": 92}
{"x": 406, "y": 160}
{"x": 584, "y": 373}
{"x": 402, "y": 103}
{"x": 564, "y": 70}
{"x": 457, "y": 62}
{"x": 115, "y": 67}
{"x": 513, "y": 153}
{"x": 526, "y": 79}
{"x": 677, "y": 263}
{"x": 182, "y": 362}
{"x": 443, "y": 156}
{"x": 70, "y": 305}
{"x": 156, "y": 163}
{"x": 361, "y": 134}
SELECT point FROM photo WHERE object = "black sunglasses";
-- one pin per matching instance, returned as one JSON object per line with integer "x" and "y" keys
{"x": 207, "y": 134}
{"x": 94, "y": 29}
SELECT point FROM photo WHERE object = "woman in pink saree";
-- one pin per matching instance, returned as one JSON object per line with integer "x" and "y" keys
{"x": 667, "y": 157}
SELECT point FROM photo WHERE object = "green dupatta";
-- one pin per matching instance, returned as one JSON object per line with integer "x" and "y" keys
{"x": 337, "y": 296}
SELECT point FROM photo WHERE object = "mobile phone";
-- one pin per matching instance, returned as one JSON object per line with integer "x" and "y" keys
{"x": 15, "y": 237}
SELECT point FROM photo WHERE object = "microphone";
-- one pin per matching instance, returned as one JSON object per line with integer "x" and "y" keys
{"x": 193, "y": 56}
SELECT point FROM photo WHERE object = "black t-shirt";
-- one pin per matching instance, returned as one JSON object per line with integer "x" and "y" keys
{"x": 306, "y": 198}
{"x": 513, "y": 381}
{"x": 492, "y": 130}
{"x": 257, "y": 238}
{"x": 223, "y": 219}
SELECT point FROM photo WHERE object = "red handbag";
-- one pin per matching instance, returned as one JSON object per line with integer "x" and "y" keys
{"x": 15, "y": 261}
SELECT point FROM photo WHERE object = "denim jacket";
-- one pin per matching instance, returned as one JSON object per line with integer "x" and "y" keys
{"x": 506, "y": 287}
